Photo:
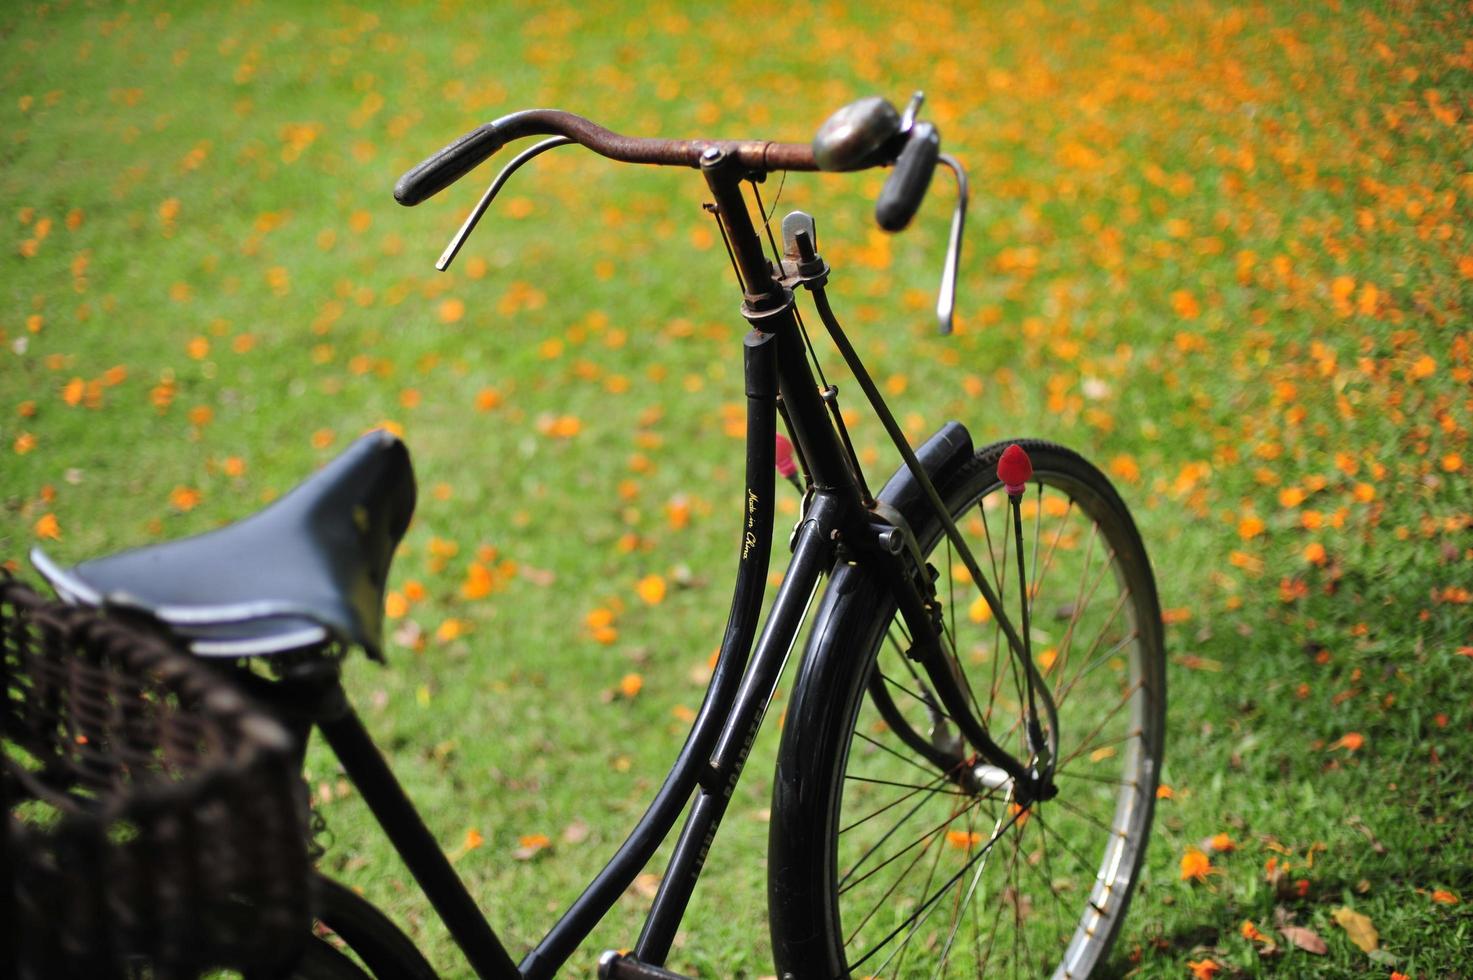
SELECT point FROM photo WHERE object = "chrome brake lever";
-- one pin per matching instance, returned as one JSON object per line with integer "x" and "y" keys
{"x": 447, "y": 256}
{"x": 946, "y": 297}
{"x": 912, "y": 109}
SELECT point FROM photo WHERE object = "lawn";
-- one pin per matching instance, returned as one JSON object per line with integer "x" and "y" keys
{"x": 1224, "y": 251}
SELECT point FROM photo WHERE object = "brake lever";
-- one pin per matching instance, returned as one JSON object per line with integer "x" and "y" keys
{"x": 912, "y": 110}
{"x": 946, "y": 297}
{"x": 469, "y": 225}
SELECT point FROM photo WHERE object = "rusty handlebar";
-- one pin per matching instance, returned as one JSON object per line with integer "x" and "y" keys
{"x": 456, "y": 160}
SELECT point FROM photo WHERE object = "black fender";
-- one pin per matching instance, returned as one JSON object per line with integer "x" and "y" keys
{"x": 815, "y": 707}
{"x": 939, "y": 456}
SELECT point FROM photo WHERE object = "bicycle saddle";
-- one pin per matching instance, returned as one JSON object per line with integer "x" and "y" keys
{"x": 310, "y": 567}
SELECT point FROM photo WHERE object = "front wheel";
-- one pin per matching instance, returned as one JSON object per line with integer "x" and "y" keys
{"x": 895, "y": 851}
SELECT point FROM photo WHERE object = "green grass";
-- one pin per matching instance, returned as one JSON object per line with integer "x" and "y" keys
{"x": 1177, "y": 212}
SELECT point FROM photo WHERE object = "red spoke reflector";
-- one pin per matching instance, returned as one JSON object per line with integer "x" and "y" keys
{"x": 785, "y": 464}
{"x": 1014, "y": 469}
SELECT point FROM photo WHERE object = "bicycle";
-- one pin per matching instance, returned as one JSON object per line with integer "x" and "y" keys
{"x": 967, "y": 773}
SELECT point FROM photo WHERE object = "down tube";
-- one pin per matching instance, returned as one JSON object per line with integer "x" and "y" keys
{"x": 811, "y": 558}
{"x": 693, "y": 762}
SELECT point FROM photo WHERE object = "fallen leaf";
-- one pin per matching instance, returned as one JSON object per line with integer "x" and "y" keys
{"x": 1358, "y": 928}
{"x": 575, "y": 832}
{"x": 1306, "y": 939}
{"x": 530, "y": 846}
{"x": 1203, "y": 969}
{"x": 410, "y": 634}
{"x": 651, "y": 589}
{"x": 1195, "y": 866}
{"x": 1219, "y": 843}
{"x": 48, "y": 527}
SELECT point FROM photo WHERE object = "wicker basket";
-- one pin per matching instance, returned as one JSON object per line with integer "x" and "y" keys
{"x": 155, "y": 823}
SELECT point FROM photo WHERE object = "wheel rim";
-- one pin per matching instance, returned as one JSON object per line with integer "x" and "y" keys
{"x": 943, "y": 875}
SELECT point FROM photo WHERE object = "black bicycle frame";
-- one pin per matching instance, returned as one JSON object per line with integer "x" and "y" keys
{"x": 706, "y": 771}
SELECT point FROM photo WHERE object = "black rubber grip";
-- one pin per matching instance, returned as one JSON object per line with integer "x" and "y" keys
{"x": 905, "y": 188}
{"x": 448, "y": 165}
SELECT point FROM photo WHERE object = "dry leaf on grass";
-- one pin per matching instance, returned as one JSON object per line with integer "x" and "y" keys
{"x": 1306, "y": 939}
{"x": 530, "y": 846}
{"x": 575, "y": 832}
{"x": 1358, "y": 928}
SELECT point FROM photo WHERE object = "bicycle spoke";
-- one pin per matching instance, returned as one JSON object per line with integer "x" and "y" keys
{"x": 1084, "y": 863}
{"x": 999, "y": 584}
{"x": 1048, "y": 558}
{"x": 1119, "y": 705}
{"x": 887, "y": 807}
{"x": 1048, "y": 873}
{"x": 935, "y": 895}
{"x": 843, "y": 887}
{"x": 1090, "y": 665}
{"x": 903, "y": 758}
{"x": 1082, "y": 601}
{"x": 1106, "y": 780}
{"x": 1083, "y": 815}
{"x": 941, "y": 875}
{"x": 1017, "y": 923}
{"x": 931, "y": 704}
{"x": 1097, "y": 746}
{"x": 928, "y": 838}
{"x": 964, "y": 904}
{"x": 891, "y": 890}
{"x": 930, "y": 877}
{"x": 1028, "y": 585}
{"x": 909, "y": 786}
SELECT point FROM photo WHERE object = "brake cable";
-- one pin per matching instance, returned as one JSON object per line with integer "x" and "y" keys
{"x": 447, "y": 256}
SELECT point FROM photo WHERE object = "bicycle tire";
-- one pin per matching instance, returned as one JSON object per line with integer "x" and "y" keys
{"x": 372, "y": 936}
{"x": 320, "y": 961}
{"x": 845, "y": 874}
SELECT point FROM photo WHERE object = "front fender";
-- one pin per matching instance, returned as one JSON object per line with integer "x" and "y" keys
{"x": 819, "y": 706}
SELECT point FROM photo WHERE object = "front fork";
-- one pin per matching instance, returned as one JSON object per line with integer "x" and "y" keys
{"x": 889, "y": 543}
{"x": 894, "y": 551}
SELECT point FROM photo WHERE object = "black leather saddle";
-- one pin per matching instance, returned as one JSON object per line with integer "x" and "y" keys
{"x": 310, "y": 567}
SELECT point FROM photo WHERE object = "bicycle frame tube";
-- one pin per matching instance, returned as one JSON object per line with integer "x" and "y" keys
{"x": 415, "y": 844}
{"x": 692, "y": 765}
{"x": 812, "y": 557}
{"x": 711, "y": 760}
{"x": 835, "y": 509}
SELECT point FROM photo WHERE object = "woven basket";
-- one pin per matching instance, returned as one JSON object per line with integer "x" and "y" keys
{"x": 155, "y": 823}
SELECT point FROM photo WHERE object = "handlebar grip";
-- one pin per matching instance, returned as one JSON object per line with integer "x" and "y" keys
{"x": 444, "y": 168}
{"x": 905, "y": 188}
